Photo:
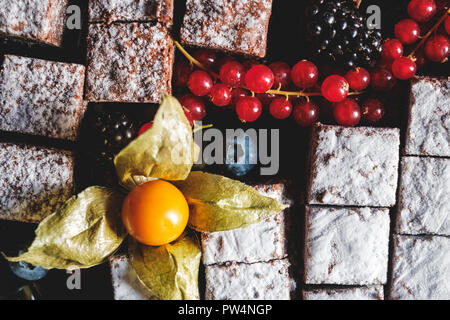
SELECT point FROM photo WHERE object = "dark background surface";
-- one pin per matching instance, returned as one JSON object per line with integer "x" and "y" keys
{"x": 286, "y": 43}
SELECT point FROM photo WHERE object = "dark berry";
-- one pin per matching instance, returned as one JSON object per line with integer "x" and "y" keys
{"x": 382, "y": 79}
{"x": 372, "y": 110}
{"x": 306, "y": 113}
{"x": 282, "y": 74}
{"x": 206, "y": 57}
{"x": 181, "y": 72}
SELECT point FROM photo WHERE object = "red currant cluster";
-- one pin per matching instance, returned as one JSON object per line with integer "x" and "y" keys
{"x": 407, "y": 32}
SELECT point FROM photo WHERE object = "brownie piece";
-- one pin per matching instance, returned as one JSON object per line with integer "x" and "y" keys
{"x": 353, "y": 166}
{"x": 129, "y": 62}
{"x": 429, "y": 117}
{"x": 235, "y": 26}
{"x": 130, "y": 10}
{"x": 424, "y": 197}
{"x": 34, "y": 182}
{"x": 41, "y": 97}
{"x": 259, "y": 242}
{"x": 125, "y": 282}
{"x": 421, "y": 268}
{"x": 256, "y": 281}
{"x": 362, "y": 293}
{"x": 41, "y": 20}
{"x": 347, "y": 246}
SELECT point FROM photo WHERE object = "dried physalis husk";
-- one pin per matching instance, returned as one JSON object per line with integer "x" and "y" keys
{"x": 217, "y": 203}
{"x": 165, "y": 151}
{"x": 81, "y": 234}
{"x": 170, "y": 271}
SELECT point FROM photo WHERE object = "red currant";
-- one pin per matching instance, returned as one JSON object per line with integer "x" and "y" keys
{"x": 385, "y": 64}
{"x": 421, "y": 10}
{"x": 248, "y": 64}
{"x": 407, "y": 31}
{"x": 188, "y": 115}
{"x": 437, "y": 48}
{"x": 206, "y": 57}
{"x": 304, "y": 74}
{"x": 221, "y": 95}
{"x": 335, "y": 88}
{"x": 372, "y": 110}
{"x": 358, "y": 78}
{"x": 306, "y": 113}
{"x": 194, "y": 105}
{"x": 447, "y": 25}
{"x": 248, "y": 109}
{"x": 382, "y": 79}
{"x": 265, "y": 98}
{"x": 236, "y": 94}
{"x": 391, "y": 50}
{"x": 404, "y": 68}
{"x": 347, "y": 113}
{"x": 259, "y": 78}
{"x": 222, "y": 61}
{"x": 145, "y": 127}
{"x": 280, "y": 108}
{"x": 282, "y": 74}
{"x": 200, "y": 83}
{"x": 232, "y": 74}
{"x": 181, "y": 72}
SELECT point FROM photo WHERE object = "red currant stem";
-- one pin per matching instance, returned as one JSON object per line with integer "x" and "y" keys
{"x": 198, "y": 128}
{"x": 427, "y": 35}
{"x": 193, "y": 60}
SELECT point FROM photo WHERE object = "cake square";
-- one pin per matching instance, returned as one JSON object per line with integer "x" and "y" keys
{"x": 256, "y": 281}
{"x": 130, "y": 10}
{"x": 424, "y": 196}
{"x": 361, "y": 293}
{"x": 129, "y": 62}
{"x": 125, "y": 282}
{"x": 235, "y": 26}
{"x": 34, "y": 182}
{"x": 421, "y": 268}
{"x": 259, "y": 242}
{"x": 41, "y": 97}
{"x": 346, "y": 246}
{"x": 353, "y": 166}
{"x": 428, "y": 129}
{"x": 41, "y": 20}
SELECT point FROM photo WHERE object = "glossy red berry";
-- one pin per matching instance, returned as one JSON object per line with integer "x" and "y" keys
{"x": 372, "y": 110}
{"x": 282, "y": 74}
{"x": 447, "y": 25}
{"x": 306, "y": 113}
{"x": 335, "y": 88}
{"x": 421, "y": 10}
{"x": 347, "y": 113}
{"x": 304, "y": 74}
{"x": 200, "y": 83}
{"x": 280, "y": 108}
{"x": 194, "y": 105}
{"x": 392, "y": 49}
{"x": 206, "y": 57}
{"x": 236, "y": 94}
{"x": 248, "y": 109}
{"x": 232, "y": 74}
{"x": 222, "y": 61}
{"x": 437, "y": 48}
{"x": 259, "y": 78}
{"x": 404, "y": 68}
{"x": 221, "y": 95}
{"x": 358, "y": 78}
{"x": 181, "y": 72}
{"x": 145, "y": 127}
{"x": 382, "y": 79}
{"x": 407, "y": 31}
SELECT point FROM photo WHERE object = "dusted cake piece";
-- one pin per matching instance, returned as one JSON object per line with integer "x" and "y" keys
{"x": 236, "y": 26}
{"x": 347, "y": 246}
{"x": 259, "y": 242}
{"x": 125, "y": 282}
{"x": 34, "y": 182}
{"x": 41, "y": 97}
{"x": 362, "y": 293}
{"x": 429, "y": 117}
{"x": 424, "y": 197}
{"x": 353, "y": 166}
{"x": 256, "y": 281}
{"x": 38, "y": 20}
{"x": 421, "y": 268}
{"x": 129, "y": 62}
{"x": 130, "y": 10}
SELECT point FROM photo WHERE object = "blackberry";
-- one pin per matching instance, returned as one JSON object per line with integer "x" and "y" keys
{"x": 338, "y": 34}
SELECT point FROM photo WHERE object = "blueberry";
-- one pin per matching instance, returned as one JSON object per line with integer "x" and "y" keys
{"x": 247, "y": 154}
{"x": 27, "y": 271}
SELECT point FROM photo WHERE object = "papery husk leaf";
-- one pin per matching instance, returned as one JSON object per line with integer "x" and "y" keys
{"x": 165, "y": 151}
{"x": 81, "y": 234}
{"x": 170, "y": 271}
{"x": 217, "y": 203}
